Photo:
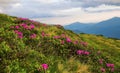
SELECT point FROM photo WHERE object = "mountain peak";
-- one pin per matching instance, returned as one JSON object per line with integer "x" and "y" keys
{"x": 115, "y": 18}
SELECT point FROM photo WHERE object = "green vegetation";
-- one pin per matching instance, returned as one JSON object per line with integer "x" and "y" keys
{"x": 28, "y": 46}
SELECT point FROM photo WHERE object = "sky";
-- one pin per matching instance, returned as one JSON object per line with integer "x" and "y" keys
{"x": 62, "y": 12}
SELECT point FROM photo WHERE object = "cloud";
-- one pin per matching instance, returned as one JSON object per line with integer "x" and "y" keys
{"x": 93, "y": 3}
{"x": 7, "y": 3}
{"x": 102, "y": 8}
{"x": 53, "y": 11}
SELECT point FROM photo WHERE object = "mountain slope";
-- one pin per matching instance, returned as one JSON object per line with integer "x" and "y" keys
{"x": 27, "y": 46}
{"x": 109, "y": 28}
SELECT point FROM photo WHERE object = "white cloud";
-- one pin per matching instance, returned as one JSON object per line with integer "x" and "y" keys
{"x": 16, "y": 5}
{"x": 1, "y": 11}
{"x": 62, "y": 11}
{"x": 103, "y": 7}
{"x": 47, "y": 1}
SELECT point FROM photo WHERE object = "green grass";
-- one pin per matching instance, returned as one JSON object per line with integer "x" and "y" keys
{"x": 26, "y": 54}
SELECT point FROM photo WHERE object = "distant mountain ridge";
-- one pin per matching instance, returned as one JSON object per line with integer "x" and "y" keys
{"x": 109, "y": 28}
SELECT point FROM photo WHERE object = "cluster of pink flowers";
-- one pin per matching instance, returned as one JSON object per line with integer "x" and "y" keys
{"x": 63, "y": 35}
{"x": 33, "y": 36}
{"x": 32, "y": 26}
{"x": 43, "y": 34}
{"x": 23, "y": 18}
{"x": 75, "y": 42}
{"x": 84, "y": 43}
{"x": 17, "y": 27}
{"x": 101, "y": 61}
{"x": 45, "y": 66}
{"x": 25, "y": 26}
{"x": 102, "y": 69}
{"x": 62, "y": 42}
{"x": 82, "y": 52}
{"x": 56, "y": 37}
{"x": 20, "y": 34}
{"x": 111, "y": 66}
{"x": 68, "y": 40}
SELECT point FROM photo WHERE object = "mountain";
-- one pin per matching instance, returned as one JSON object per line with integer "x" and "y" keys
{"x": 28, "y": 46}
{"x": 77, "y": 27}
{"x": 109, "y": 28}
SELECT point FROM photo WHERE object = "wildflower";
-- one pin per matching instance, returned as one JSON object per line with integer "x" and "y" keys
{"x": 102, "y": 69}
{"x": 75, "y": 42}
{"x": 80, "y": 52}
{"x": 86, "y": 53}
{"x": 110, "y": 65}
{"x": 63, "y": 35}
{"x": 84, "y": 43}
{"x": 20, "y": 36}
{"x": 32, "y": 26}
{"x": 44, "y": 66}
{"x": 100, "y": 61}
{"x": 17, "y": 27}
{"x": 19, "y": 33}
{"x": 11, "y": 26}
{"x": 62, "y": 42}
{"x": 23, "y": 18}
{"x": 112, "y": 69}
{"x": 56, "y": 37}
{"x": 44, "y": 24}
{"x": 68, "y": 40}
{"x": 33, "y": 36}
{"x": 24, "y": 25}
{"x": 16, "y": 31}
{"x": 43, "y": 33}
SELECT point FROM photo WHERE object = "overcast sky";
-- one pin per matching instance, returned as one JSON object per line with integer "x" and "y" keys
{"x": 62, "y": 11}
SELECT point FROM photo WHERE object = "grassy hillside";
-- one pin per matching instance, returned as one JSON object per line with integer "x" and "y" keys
{"x": 28, "y": 46}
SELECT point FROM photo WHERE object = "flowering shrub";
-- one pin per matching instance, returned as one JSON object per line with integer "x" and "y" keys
{"x": 45, "y": 66}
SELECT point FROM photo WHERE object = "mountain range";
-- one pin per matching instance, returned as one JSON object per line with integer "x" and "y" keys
{"x": 108, "y": 28}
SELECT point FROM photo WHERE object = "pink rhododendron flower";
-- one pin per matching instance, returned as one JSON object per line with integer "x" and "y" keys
{"x": 63, "y": 35}
{"x": 32, "y": 26}
{"x": 56, "y": 37}
{"x": 86, "y": 53}
{"x": 110, "y": 65}
{"x": 75, "y": 42}
{"x": 43, "y": 33}
{"x": 16, "y": 31}
{"x": 84, "y": 43}
{"x": 100, "y": 61}
{"x": 44, "y": 25}
{"x": 23, "y": 18}
{"x": 17, "y": 27}
{"x": 80, "y": 52}
{"x": 62, "y": 42}
{"x": 68, "y": 40}
{"x": 33, "y": 36}
{"x": 102, "y": 69}
{"x": 24, "y": 25}
{"x": 11, "y": 26}
{"x": 112, "y": 69}
{"x": 20, "y": 36}
{"x": 44, "y": 66}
